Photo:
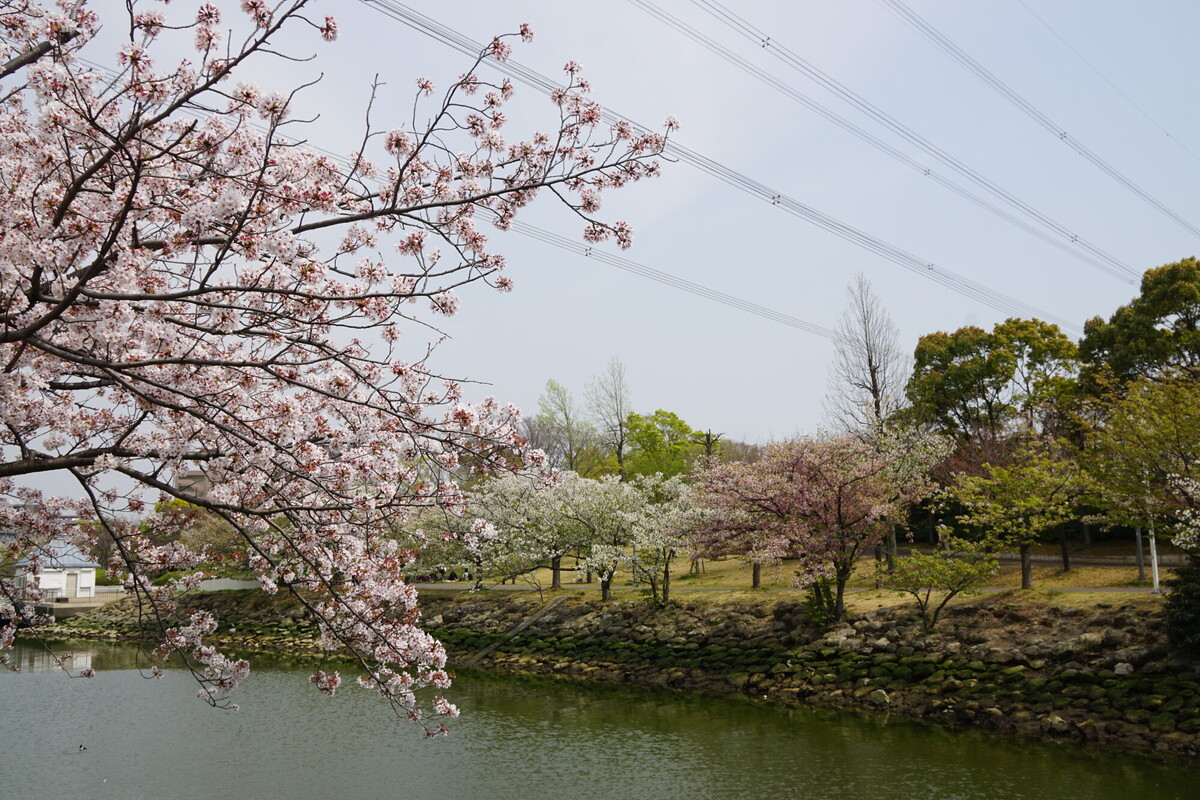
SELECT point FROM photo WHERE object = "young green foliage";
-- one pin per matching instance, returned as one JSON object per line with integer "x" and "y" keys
{"x": 955, "y": 568}
{"x": 1015, "y": 504}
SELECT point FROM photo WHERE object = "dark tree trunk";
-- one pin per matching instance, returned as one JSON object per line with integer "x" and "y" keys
{"x": 605, "y": 590}
{"x": 756, "y": 576}
{"x": 1141, "y": 557}
{"x": 1087, "y": 535}
{"x": 1062, "y": 545}
{"x": 556, "y": 572}
{"x": 891, "y": 551}
{"x": 666, "y": 586}
{"x": 1026, "y": 568}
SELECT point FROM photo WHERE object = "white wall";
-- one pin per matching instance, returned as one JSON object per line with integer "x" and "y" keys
{"x": 57, "y": 579}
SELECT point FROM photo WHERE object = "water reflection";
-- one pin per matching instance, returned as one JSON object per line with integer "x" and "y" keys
{"x": 34, "y": 657}
{"x": 530, "y": 738}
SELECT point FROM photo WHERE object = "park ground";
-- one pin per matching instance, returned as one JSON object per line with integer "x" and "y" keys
{"x": 1097, "y": 577}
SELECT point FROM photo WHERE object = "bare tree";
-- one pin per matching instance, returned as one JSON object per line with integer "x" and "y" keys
{"x": 866, "y": 379}
{"x": 570, "y": 441}
{"x": 868, "y": 374}
{"x": 539, "y": 434}
{"x": 610, "y": 404}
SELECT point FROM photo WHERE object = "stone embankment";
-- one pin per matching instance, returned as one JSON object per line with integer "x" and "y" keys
{"x": 1101, "y": 676}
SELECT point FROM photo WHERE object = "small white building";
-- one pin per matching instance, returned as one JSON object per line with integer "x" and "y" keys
{"x": 67, "y": 573}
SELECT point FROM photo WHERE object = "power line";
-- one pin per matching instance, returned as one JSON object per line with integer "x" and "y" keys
{"x": 913, "y": 20}
{"x": 1069, "y": 241}
{"x": 896, "y": 255}
{"x": 1105, "y": 78}
{"x": 989, "y": 297}
{"x": 668, "y": 279}
{"x": 597, "y": 254}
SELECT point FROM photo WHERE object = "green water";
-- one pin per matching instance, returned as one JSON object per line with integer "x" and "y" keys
{"x": 520, "y": 738}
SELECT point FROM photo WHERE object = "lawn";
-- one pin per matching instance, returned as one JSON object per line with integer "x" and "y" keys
{"x": 734, "y": 577}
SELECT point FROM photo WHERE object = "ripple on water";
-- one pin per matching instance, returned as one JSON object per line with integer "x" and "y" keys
{"x": 518, "y": 737}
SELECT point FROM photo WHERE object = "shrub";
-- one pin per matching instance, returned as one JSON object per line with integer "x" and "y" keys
{"x": 1183, "y": 608}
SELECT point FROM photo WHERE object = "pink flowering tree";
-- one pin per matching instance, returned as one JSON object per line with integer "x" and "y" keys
{"x": 736, "y": 525}
{"x": 189, "y": 292}
{"x": 822, "y": 501}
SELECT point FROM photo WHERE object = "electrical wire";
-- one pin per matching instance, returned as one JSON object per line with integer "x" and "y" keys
{"x": 1105, "y": 78}
{"x": 913, "y": 20}
{"x": 596, "y": 254}
{"x": 667, "y": 279}
{"x": 1068, "y": 241}
{"x": 957, "y": 283}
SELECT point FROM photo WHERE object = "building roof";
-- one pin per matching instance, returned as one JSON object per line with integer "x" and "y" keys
{"x": 67, "y": 556}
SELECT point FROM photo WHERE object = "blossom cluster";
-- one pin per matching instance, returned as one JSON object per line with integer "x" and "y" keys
{"x": 820, "y": 500}
{"x": 172, "y": 309}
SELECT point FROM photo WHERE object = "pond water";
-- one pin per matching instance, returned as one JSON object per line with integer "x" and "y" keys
{"x": 517, "y": 737}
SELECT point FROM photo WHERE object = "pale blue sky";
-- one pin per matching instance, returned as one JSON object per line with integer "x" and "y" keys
{"x": 727, "y": 370}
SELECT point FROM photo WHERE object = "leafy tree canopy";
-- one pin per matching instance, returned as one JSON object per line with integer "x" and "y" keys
{"x": 659, "y": 443}
{"x": 1015, "y": 504}
{"x": 1156, "y": 333}
{"x": 974, "y": 383}
{"x": 1144, "y": 451}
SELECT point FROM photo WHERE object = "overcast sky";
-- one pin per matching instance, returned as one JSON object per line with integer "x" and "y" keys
{"x": 1117, "y": 77}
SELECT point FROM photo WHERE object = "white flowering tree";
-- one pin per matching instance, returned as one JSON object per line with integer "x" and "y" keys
{"x": 600, "y": 513}
{"x": 515, "y": 527}
{"x": 661, "y": 528}
{"x": 188, "y": 290}
{"x": 1187, "y": 532}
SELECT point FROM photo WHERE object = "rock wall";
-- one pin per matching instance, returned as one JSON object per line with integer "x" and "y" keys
{"x": 1102, "y": 676}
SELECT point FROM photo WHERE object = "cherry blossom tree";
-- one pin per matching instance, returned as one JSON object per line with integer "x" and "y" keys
{"x": 661, "y": 528}
{"x": 516, "y": 526}
{"x": 737, "y": 524}
{"x": 600, "y": 514}
{"x": 821, "y": 500}
{"x": 187, "y": 288}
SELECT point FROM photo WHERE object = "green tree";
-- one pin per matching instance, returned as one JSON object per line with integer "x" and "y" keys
{"x": 935, "y": 579}
{"x": 976, "y": 384}
{"x": 1044, "y": 366}
{"x": 1143, "y": 451}
{"x": 957, "y": 382}
{"x": 1156, "y": 334}
{"x": 570, "y": 441}
{"x": 1015, "y": 504}
{"x": 659, "y": 443}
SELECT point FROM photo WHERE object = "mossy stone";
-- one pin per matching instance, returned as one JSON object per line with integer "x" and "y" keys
{"x": 1163, "y": 722}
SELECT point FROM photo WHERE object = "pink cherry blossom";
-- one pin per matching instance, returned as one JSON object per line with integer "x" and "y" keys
{"x": 820, "y": 500}
{"x": 178, "y": 317}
